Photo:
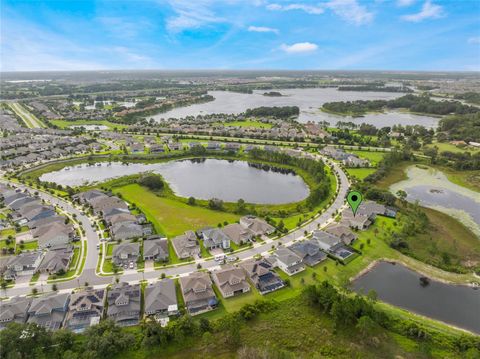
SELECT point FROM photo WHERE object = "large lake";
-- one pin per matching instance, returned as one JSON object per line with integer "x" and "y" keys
{"x": 202, "y": 179}
{"x": 308, "y": 100}
{"x": 433, "y": 189}
{"x": 400, "y": 286}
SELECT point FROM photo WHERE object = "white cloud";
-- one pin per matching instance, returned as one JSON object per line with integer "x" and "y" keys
{"x": 405, "y": 3}
{"x": 350, "y": 11}
{"x": 309, "y": 9}
{"x": 191, "y": 15}
{"x": 262, "y": 29}
{"x": 429, "y": 11}
{"x": 299, "y": 47}
{"x": 474, "y": 40}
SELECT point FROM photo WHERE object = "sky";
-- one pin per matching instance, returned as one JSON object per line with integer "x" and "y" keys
{"x": 427, "y": 35}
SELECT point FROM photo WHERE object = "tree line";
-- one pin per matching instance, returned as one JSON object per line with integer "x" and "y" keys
{"x": 421, "y": 104}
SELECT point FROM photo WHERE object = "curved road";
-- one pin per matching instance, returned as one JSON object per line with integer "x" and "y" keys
{"x": 88, "y": 274}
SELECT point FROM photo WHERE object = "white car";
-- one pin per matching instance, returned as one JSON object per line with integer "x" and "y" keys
{"x": 132, "y": 265}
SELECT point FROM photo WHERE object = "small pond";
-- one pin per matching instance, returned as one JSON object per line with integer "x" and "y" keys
{"x": 200, "y": 178}
{"x": 401, "y": 286}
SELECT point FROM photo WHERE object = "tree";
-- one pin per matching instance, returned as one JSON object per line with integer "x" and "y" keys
{"x": 54, "y": 287}
{"x": 365, "y": 325}
{"x": 402, "y": 195}
{"x": 106, "y": 339}
{"x": 240, "y": 206}
{"x": 191, "y": 201}
{"x": 152, "y": 181}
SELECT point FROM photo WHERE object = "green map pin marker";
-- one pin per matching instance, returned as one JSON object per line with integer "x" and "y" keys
{"x": 354, "y": 199}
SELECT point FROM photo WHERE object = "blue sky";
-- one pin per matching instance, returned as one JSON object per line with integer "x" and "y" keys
{"x": 240, "y": 34}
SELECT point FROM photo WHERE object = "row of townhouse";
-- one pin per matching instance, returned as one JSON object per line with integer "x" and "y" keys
{"x": 155, "y": 248}
{"x": 198, "y": 292}
{"x": 53, "y": 233}
{"x": 82, "y": 309}
{"x": 122, "y": 302}
{"x": 348, "y": 159}
{"x": 42, "y": 144}
{"x": 247, "y": 230}
{"x": 121, "y": 223}
{"x": 334, "y": 241}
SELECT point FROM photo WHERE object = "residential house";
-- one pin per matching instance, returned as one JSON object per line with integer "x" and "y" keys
{"x": 332, "y": 245}
{"x": 215, "y": 238}
{"x": 126, "y": 230}
{"x": 342, "y": 231}
{"x": 125, "y": 253}
{"x": 309, "y": 251}
{"x": 23, "y": 264}
{"x": 288, "y": 261}
{"x": 237, "y": 233}
{"x": 49, "y": 311}
{"x": 14, "y": 311}
{"x": 262, "y": 275}
{"x": 156, "y": 250}
{"x": 257, "y": 226}
{"x": 230, "y": 281}
{"x": 124, "y": 304}
{"x": 54, "y": 235}
{"x": 85, "y": 309}
{"x": 56, "y": 261}
{"x": 186, "y": 245}
{"x": 161, "y": 298}
{"x": 197, "y": 292}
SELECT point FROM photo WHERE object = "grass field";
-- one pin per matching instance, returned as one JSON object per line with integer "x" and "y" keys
{"x": 445, "y": 146}
{"x": 373, "y": 157}
{"x": 170, "y": 216}
{"x": 445, "y": 236}
{"x": 360, "y": 173}
{"x": 65, "y": 124}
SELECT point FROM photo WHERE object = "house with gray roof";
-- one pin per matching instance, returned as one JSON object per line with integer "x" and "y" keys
{"x": 125, "y": 253}
{"x": 332, "y": 245}
{"x": 262, "y": 275}
{"x": 342, "y": 231}
{"x": 231, "y": 281}
{"x": 215, "y": 238}
{"x": 326, "y": 240}
{"x": 161, "y": 298}
{"x": 56, "y": 261}
{"x": 54, "y": 235}
{"x": 237, "y": 233}
{"x": 49, "y": 311}
{"x": 126, "y": 230}
{"x": 155, "y": 249}
{"x": 85, "y": 309}
{"x": 124, "y": 304}
{"x": 257, "y": 226}
{"x": 198, "y": 294}
{"x": 14, "y": 311}
{"x": 23, "y": 264}
{"x": 309, "y": 251}
{"x": 357, "y": 221}
{"x": 288, "y": 261}
{"x": 186, "y": 245}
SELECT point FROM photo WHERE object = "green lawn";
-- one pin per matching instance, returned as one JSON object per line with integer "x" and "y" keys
{"x": 30, "y": 245}
{"x": 373, "y": 157}
{"x": 4, "y": 233}
{"x": 445, "y": 146}
{"x": 360, "y": 173}
{"x": 170, "y": 216}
